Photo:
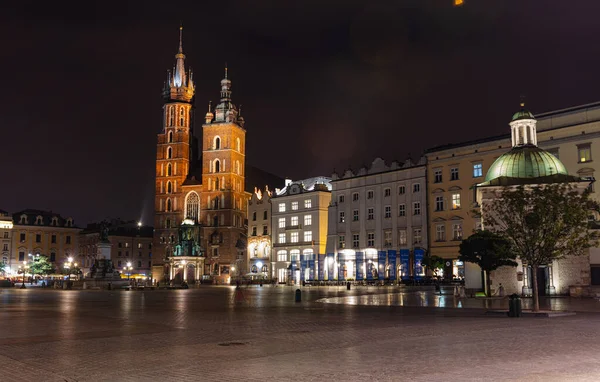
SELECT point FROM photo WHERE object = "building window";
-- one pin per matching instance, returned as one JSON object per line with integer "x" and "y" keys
{"x": 281, "y": 223}
{"x": 456, "y": 201}
{"x": 282, "y": 238}
{"x": 437, "y": 176}
{"x": 295, "y": 254}
{"x": 38, "y": 238}
{"x": 369, "y": 194}
{"x": 388, "y": 212}
{"x": 5, "y": 247}
{"x": 140, "y": 253}
{"x": 371, "y": 239}
{"x": 370, "y": 214}
{"x": 307, "y": 220}
{"x": 355, "y": 215}
{"x": 120, "y": 245}
{"x": 294, "y": 206}
{"x": 6, "y": 235}
{"x": 477, "y": 170}
{"x": 387, "y": 192}
{"x": 456, "y": 231}
{"x": 308, "y": 203}
{"x": 439, "y": 203}
{"x": 440, "y": 232}
{"x": 170, "y": 140}
{"x": 387, "y": 238}
{"x": 68, "y": 239}
{"x": 21, "y": 256}
{"x": 454, "y": 173}
{"x": 119, "y": 263}
{"x": 217, "y": 143}
{"x": 341, "y": 199}
{"x": 126, "y": 253}
{"x": 265, "y": 230}
{"x": 342, "y": 241}
{"x": 281, "y": 207}
{"x": 169, "y": 169}
{"x": 554, "y": 151}
{"x": 53, "y": 239}
{"x": 307, "y": 236}
{"x": 264, "y": 215}
{"x": 119, "y": 253}
{"x": 401, "y": 209}
{"x": 254, "y": 216}
{"x": 402, "y": 237}
{"x": 192, "y": 206}
{"x": 401, "y": 190}
{"x": 294, "y": 221}
{"x": 584, "y": 153}
{"x": 294, "y": 237}
{"x": 253, "y": 231}
{"x": 281, "y": 255}
{"x": 355, "y": 197}
{"x": 417, "y": 238}
{"x": 169, "y": 153}
{"x": 417, "y": 208}
{"x": 416, "y": 187}
{"x": 22, "y": 237}
{"x": 342, "y": 217}
{"x": 355, "y": 240}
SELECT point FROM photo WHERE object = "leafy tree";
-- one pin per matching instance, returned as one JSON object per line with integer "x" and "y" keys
{"x": 41, "y": 266}
{"x": 2, "y": 267}
{"x": 543, "y": 224}
{"x": 490, "y": 251}
{"x": 433, "y": 262}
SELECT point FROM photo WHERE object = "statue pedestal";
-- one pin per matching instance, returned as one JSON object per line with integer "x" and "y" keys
{"x": 103, "y": 274}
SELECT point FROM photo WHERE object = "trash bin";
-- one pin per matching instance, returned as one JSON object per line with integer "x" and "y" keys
{"x": 298, "y": 295}
{"x": 348, "y": 285}
{"x": 514, "y": 306}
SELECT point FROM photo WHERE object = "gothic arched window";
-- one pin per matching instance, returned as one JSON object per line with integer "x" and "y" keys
{"x": 169, "y": 169}
{"x": 169, "y": 188}
{"x": 217, "y": 165}
{"x": 192, "y": 206}
{"x": 170, "y": 137}
{"x": 171, "y": 115}
{"x": 217, "y": 184}
{"x": 237, "y": 141}
{"x": 168, "y": 205}
{"x": 169, "y": 153}
{"x": 217, "y": 143}
{"x": 181, "y": 116}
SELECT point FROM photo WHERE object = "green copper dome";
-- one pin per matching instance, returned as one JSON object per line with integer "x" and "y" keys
{"x": 525, "y": 162}
{"x": 522, "y": 114}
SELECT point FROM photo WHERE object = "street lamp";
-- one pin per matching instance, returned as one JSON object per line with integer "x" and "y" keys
{"x": 139, "y": 224}
{"x": 24, "y": 269}
{"x": 128, "y": 268}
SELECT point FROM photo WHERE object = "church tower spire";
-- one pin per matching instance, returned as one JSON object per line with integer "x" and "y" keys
{"x": 179, "y": 85}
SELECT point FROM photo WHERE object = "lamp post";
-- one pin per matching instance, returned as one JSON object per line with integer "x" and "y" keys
{"x": 24, "y": 270}
{"x": 128, "y": 268}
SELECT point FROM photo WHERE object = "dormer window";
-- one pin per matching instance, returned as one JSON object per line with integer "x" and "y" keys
{"x": 23, "y": 219}
{"x": 39, "y": 220}
{"x": 69, "y": 222}
{"x": 54, "y": 221}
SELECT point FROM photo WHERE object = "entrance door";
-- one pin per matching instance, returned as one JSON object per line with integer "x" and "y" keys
{"x": 541, "y": 281}
{"x": 595, "y": 275}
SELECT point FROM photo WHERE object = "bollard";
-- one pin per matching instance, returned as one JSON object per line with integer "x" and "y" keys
{"x": 298, "y": 295}
{"x": 348, "y": 285}
{"x": 514, "y": 306}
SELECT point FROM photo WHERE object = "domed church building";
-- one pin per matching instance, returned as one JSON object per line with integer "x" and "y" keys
{"x": 526, "y": 164}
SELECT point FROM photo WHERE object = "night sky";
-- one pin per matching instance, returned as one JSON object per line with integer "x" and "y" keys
{"x": 325, "y": 84}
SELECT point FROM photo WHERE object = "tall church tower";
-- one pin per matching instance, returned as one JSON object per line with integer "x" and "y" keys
{"x": 224, "y": 200}
{"x": 174, "y": 155}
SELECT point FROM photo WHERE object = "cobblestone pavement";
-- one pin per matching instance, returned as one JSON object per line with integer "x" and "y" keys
{"x": 210, "y": 334}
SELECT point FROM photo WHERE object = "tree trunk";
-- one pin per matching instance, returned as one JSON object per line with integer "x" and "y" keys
{"x": 535, "y": 295}
{"x": 488, "y": 284}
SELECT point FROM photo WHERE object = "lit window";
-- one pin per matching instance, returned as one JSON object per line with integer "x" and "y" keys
{"x": 417, "y": 238}
{"x": 342, "y": 217}
{"x": 355, "y": 215}
{"x": 417, "y": 208}
{"x": 387, "y": 238}
{"x": 295, "y": 254}
{"x": 456, "y": 232}
{"x": 294, "y": 206}
{"x": 401, "y": 209}
{"x": 387, "y": 192}
{"x": 281, "y": 255}
{"x": 401, "y": 190}
{"x": 294, "y": 221}
{"x": 440, "y": 232}
{"x": 584, "y": 153}
{"x": 439, "y": 203}
{"x": 282, "y": 238}
{"x": 371, "y": 239}
{"x": 341, "y": 241}
{"x": 455, "y": 201}
{"x": 281, "y": 222}
{"x": 355, "y": 240}
{"x": 281, "y": 207}
{"x": 307, "y": 236}
{"x": 294, "y": 237}
{"x": 416, "y": 187}
{"x": 355, "y": 196}
{"x": 307, "y": 220}
{"x": 369, "y": 194}
{"x": 388, "y": 212}
{"x": 437, "y": 176}
{"x": 402, "y": 237}
{"x": 370, "y": 214}
{"x": 454, "y": 173}
{"x": 308, "y": 203}
{"x": 253, "y": 231}
{"x": 477, "y": 170}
